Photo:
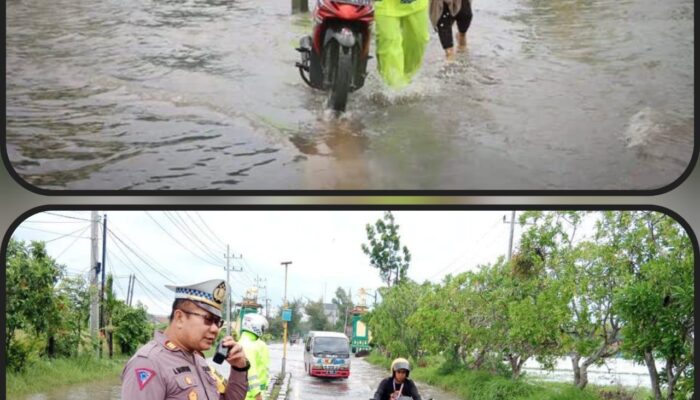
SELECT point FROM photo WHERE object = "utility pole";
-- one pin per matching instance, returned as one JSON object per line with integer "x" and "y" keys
{"x": 94, "y": 306}
{"x": 128, "y": 290}
{"x": 267, "y": 302}
{"x": 258, "y": 281}
{"x": 228, "y": 291}
{"x": 512, "y": 228}
{"x": 284, "y": 352}
{"x": 103, "y": 267}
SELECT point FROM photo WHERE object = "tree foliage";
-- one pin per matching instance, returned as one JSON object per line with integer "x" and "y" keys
{"x": 385, "y": 251}
{"x": 656, "y": 306}
{"x": 47, "y": 311}
{"x": 30, "y": 303}
{"x": 626, "y": 285}
{"x": 131, "y": 326}
{"x": 318, "y": 321}
{"x": 389, "y": 321}
{"x": 343, "y": 301}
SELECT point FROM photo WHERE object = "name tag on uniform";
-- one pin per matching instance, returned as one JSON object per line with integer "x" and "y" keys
{"x": 407, "y": 1}
{"x": 180, "y": 370}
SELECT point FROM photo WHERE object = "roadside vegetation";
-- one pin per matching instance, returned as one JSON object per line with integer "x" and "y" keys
{"x": 47, "y": 374}
{"x": 47, "y": 338}
{"x": 486, "y": 385}
{"x": 624, "y": 289}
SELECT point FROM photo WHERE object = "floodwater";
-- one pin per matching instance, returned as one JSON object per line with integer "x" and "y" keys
{"x": 361, "y": 384}
{"x": 613, "y": 372}
{"x": 363, "y": 379}
{"x": 203, "y": 94}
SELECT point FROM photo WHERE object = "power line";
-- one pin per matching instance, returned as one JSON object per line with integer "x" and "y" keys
{"x": 150, "y": 295}
{"x": 79, "y": 231}
{"x": 67, "y": 216}
{"x": 113, "y": 235}
{"x": 136, "y": 269}
{"x": 209, "y": 238}
{"x": 145, "y": 254}
{"x": 52, "y": 232}
{"x": 34, "y": 221}
{"x": 214, "y": 235}
{"x": 71, "y": 243}
{"x": 178, "y": 242}
{"x": 189, "y": 234}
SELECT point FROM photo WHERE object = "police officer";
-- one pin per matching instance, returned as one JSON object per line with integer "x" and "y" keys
{"x": 401, "y": 35}
{"x": 252, "y": 328}
{"x": 172, "y": 366}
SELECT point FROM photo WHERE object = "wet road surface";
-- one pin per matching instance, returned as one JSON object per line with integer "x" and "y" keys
{"x": 202, "y": 94}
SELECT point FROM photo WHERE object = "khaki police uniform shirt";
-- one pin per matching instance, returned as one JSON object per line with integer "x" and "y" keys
{"x": 161, "y": 371}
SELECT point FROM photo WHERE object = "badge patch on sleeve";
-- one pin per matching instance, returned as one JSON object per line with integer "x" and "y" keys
{"x": 143, "y": 376}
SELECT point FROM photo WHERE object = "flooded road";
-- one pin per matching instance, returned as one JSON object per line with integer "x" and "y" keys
{"x": 202, "y": 94}
{"x": 363, "y": 379}
{"x": 361, "y": 384}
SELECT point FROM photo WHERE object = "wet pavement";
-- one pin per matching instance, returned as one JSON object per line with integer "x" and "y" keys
{"x": 202, "y": 94}
{"x": 363, "y": 379}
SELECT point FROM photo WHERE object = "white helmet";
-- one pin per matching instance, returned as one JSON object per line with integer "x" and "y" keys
{"x": 254, "y": 323}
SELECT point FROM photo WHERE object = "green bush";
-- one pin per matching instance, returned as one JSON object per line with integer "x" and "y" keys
{"x": 23, "y": 352}
{"x": 487, "y": 385}
{"x": 45, "y": 375}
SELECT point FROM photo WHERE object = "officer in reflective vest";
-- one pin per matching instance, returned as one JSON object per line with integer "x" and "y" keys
{"x": 172, "y": 366}
{"x": 252, "y": 328}
{"x": 401, "y": 35}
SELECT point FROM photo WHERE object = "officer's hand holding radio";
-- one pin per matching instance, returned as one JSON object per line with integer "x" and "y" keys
{"x": 232, "y": 352}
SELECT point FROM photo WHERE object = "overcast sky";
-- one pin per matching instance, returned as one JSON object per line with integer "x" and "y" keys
{"x": 323, "y": 246}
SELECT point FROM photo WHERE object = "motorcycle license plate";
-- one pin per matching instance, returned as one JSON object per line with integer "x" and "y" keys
{"x": 356, "y": 2}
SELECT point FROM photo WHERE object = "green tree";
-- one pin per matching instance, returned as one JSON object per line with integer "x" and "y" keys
{"x": 293, "y": 326}
{"x": 442, "y": 319}
{"x": 318, "y": 321}
{"x": 30, "y": 301}
{"x": 389, "y": 321}
{"x": 385, "y": 251}
{"x": 73, "y": 303}
{"x": 343, "y": 301}
{"x": 585, "y": 275}
{"x": 131, "y": 326}
{"x": 657, "y": 306}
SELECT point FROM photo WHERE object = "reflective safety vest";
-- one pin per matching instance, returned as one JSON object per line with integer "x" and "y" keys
{"x": 259, "y": 357}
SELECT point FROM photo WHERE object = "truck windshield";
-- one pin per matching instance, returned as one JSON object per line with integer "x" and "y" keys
{"x": 331, "y": 345}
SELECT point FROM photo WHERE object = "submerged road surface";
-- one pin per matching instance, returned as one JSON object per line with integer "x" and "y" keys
{"x": 202, "y": 94}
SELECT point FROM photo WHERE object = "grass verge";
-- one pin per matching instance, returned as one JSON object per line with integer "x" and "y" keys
{"x": 45, "y": 375}
{"x": 480, "y": 385}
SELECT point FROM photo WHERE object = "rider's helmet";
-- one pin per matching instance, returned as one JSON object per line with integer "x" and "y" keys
{"x": 254, "y": 323}
{"x": 400, "y": 363}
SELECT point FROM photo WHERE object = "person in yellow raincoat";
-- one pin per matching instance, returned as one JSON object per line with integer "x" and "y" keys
{"x": 402, "y": 36}
{"x": 252, "y": 328}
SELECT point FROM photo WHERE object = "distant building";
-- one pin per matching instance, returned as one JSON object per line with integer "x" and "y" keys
{"x": 331, "y": 312}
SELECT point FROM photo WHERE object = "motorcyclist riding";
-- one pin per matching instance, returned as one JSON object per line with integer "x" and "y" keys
{"x": 397, "y": 386}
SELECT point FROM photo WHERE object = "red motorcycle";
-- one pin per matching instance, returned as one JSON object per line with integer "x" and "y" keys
{"x": 334, "y": 58}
